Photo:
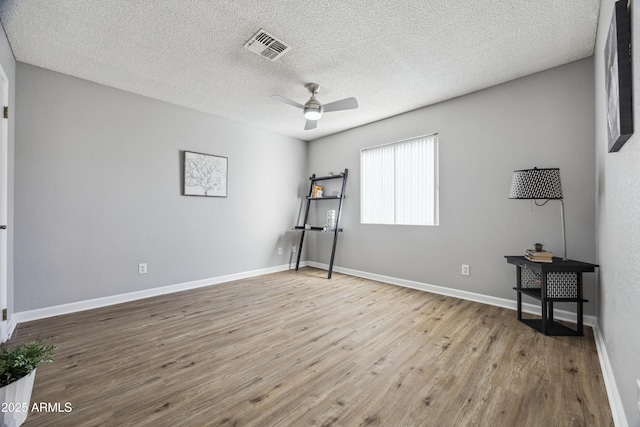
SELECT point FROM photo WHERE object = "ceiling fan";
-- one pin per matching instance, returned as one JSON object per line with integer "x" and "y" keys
{"x": 313, "y": 109}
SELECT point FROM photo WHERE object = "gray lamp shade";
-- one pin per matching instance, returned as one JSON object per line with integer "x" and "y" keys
{"x": 536, "y": 184}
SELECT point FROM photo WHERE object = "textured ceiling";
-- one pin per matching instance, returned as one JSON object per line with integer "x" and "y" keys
{"x": 393, "y": 56}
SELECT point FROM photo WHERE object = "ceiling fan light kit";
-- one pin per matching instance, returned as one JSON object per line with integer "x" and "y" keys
{"x": 312, "y": 113}
{"x": 313, "y": 109}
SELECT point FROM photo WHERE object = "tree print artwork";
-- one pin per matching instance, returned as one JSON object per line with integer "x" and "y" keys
{"x": 205, "y": 175}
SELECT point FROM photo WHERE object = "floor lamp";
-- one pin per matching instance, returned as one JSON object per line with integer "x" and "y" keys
{"x": 539, "y": 184}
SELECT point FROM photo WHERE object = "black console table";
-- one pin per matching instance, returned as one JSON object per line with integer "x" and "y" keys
{"x": 549, "y": 282}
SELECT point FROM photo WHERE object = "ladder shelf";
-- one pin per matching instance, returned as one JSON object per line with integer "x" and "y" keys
{"x": 334, "y": 230}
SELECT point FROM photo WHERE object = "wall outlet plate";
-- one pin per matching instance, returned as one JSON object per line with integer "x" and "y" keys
{"x": 465, "y": 270}
{"x": 142, "y": 268}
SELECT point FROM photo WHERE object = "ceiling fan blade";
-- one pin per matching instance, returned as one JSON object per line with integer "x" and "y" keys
{"x": 286, "y": 101}
{"x": 343, "y": 104}
{"x": 310, "y": 124}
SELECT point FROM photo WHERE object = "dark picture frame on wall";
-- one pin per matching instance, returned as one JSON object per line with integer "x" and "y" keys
{"x": 205, "y": 175}
{"x": 617, "y": 57}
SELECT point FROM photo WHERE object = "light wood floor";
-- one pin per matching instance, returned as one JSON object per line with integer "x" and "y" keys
{"x": 296, "y": 349}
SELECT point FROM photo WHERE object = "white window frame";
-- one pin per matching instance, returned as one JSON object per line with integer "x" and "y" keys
{"x": 384, "y": 198}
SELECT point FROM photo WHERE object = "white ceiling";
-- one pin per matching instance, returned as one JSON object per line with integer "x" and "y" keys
{"x": 393, "y": 56}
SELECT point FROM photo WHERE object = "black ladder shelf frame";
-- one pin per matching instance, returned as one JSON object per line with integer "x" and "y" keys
{"x": 335, "y": 230}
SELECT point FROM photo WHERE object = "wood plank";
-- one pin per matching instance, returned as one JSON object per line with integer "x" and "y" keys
{"x": 294, "y": 348}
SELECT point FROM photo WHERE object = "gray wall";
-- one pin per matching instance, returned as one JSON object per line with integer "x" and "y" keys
{"x": 543, "y": 120}
{"x": 98, "y": 190}
{"x": 618, "y": 228}
{"x": 9, "y": 66}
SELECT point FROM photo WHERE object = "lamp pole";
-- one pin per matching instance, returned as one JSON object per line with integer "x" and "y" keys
{"x": 564, "y": 235}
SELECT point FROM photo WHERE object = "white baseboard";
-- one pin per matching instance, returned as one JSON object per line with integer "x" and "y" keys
{"x": 564, "y": 315}
{"x": 43, "y": 313}
{"x": 615, "y": 402}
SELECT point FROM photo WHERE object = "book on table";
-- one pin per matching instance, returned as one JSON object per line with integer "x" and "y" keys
{"x": 541, "y": 256}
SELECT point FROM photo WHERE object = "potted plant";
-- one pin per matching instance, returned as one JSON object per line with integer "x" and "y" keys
{"x": 17, "y": 373}
{"x": 538, "y": 247}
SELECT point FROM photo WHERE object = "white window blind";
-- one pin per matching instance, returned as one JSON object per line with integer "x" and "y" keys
{"x": 399, "y": 182}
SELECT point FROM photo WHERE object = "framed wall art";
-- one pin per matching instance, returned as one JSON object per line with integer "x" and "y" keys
{"x": 205, "y": 175}
{"x": 617, "y": 57}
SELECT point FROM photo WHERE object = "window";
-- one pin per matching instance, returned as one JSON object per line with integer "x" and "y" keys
{"x": 399, "y": 182}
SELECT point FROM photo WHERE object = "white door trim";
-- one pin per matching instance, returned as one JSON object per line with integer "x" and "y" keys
{"x": 4, "y": 175}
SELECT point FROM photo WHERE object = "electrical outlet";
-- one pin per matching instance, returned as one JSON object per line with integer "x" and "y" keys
{"x": 465, "y": 270}
{"x": 142, "y": 268}
{"x": 293, "y": 249}
{"x": 279, "y": 251}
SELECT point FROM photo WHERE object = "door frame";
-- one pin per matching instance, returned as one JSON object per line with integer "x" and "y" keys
{"x": 4, "y": 200}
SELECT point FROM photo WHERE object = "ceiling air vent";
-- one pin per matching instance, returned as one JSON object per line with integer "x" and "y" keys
{"x": 267, "y": 46}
